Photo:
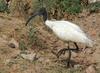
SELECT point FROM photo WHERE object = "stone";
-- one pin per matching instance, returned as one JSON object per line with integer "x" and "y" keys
{"x": 91, "y": 69}
{"x": 28, "y": 56}
{"x": 77, "y": 66}
{"x": 13, "y": 43}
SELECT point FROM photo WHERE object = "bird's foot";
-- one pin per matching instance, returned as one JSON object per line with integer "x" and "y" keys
{"x": 62, "y": 51}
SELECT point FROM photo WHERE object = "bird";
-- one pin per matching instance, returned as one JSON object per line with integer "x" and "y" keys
{"x": 65, "y": 31}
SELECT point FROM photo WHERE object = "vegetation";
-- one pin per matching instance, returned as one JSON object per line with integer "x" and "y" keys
{"x": 59, "y": 7}
{"x": 53, "y": 6}
{"x": 94, "y": 7}
{"x": 70, "y": 6}
{"x": 36, "y": 38}
{"x": 22, "y": 46}
{"x": 3, "y": 6}
{"x": 32, "y": 36}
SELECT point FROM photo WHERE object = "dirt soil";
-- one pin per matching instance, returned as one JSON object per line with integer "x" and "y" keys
{"x": 47, "y": 62}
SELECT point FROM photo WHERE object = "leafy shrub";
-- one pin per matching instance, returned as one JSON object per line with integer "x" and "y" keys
{"x": 3, "y": 6}
{"x": 70, "y": 6}
{"x": 35, "y": 39}
{"x": 94, "y": 6}
{"x": 22, "y": 46}
{"x": 32, "y": 35}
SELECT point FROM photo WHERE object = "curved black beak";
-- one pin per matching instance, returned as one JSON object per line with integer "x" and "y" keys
{"x": 35, "y": 14}
{"x": 41, "y": 12}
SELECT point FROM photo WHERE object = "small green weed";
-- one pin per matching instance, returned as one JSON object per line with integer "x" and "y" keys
{"x": 3, "y": 6}
{"x": 22, "y": 46}
{"x": 34, "y": 38}
{"x": 70, "y": 6}
{"x": 94, "y": 7}
{"x": 32, "y": 35}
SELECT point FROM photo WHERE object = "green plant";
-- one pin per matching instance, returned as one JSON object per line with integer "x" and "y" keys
{"x": 3, "y": 6}
{"x": 34, "y": 38}
{"x": 22, "y": 46}
{"x": 32, "y": 35}
{"x": 94, "y": 6}
{"x": 70, "y": 6}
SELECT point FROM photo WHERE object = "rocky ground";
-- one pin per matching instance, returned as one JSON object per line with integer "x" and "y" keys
{"x": 40, "y": 58}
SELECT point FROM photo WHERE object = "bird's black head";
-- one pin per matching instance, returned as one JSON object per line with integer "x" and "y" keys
{"x": 41, "y": 12}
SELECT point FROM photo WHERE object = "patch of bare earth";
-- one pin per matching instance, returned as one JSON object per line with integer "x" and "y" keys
{"x": 46, "y": 62}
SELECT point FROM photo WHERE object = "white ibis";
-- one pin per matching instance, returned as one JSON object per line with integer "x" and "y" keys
{"x": 64, "y": 30}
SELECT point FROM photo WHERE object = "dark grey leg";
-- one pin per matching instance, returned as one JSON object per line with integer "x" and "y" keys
{"x": 77, "y": 48}
{"x": 62, "y": 51}
{"x": 68, "y": 64}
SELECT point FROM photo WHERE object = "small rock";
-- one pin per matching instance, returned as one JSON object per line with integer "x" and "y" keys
{"x": 92, "y": 1}
{"x": 47, "y": 60}
{"x": 91, "y": 69}
{"x": 77, "y": 66}
{"x": 29, "y": 56}
{"x": 9, "y": 62}
{"x": 41, "y": 59}
{"x": 13, "y": 43}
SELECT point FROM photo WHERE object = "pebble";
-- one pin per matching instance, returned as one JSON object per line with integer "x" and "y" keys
{"x": 91, "y": 69}
{"x": 13, "y": 43}
{"x": 29, "y": 56}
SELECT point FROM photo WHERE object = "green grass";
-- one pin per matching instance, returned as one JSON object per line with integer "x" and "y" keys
{"x": 70, "y": 6}
{"x": 94, "y": 7}
{"x": 34, "y": 38}
{"x": 3, "y": 6}
{"x": 22, "y": 46}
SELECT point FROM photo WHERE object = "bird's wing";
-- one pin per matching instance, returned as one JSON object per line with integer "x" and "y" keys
{"x": 74, "y": 26}
{"x": 65, "y": 25}
{"x": 70, "y": 32}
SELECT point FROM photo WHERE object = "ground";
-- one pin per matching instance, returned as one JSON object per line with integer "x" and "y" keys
{"x": 13, "y": 30}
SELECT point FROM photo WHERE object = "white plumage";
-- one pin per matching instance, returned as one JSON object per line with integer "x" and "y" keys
{"x": 65, "y": 30}
{"x": 68, "y": 31}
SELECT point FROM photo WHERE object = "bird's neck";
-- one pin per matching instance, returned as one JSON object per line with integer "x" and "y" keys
{"x": 49, "y": 23}
{"x": 45, "y": 16}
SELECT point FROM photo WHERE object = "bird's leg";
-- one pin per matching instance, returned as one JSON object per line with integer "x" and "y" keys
{"x": 62, "y": 51}
{"x": 68, "y": 64}
{"x": 77, "y": 48}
